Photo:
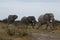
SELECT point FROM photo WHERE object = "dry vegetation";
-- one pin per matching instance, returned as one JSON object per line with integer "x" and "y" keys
{"x": 22, "y": 32}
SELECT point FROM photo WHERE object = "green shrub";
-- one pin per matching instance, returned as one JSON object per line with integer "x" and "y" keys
{"x": 5, "y": 39}
{"x": 10, "y": 30}
{"x": 21, "y": 33}
{"x": 11, "y": 33}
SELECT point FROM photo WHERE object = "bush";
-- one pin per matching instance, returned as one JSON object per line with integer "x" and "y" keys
{"x": 21, "y": 33}
{"x": 10, "y": 30}
{"x": 11, "y": 33}
{"x": 5, "y": 39}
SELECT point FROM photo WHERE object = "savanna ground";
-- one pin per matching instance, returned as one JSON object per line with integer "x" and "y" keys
{"x": 21, "y": 32}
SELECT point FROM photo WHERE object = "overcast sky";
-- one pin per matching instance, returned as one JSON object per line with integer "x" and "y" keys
{"x": 29, "y": 8}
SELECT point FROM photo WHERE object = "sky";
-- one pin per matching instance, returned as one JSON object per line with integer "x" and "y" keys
{"x": 29, "y": 8}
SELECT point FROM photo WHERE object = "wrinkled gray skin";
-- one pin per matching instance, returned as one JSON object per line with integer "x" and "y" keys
{"x": 29, "y": 20}
{"x": 47, "y": 19}
{"x": 11, "y": 18}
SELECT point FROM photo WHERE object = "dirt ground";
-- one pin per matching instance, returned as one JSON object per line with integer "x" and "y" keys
{"x": 42, "y": 36}
{"x": 46, "y": 36}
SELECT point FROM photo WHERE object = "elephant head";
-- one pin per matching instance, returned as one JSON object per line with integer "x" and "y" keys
{"x": 49, "y": 17}
{"x": 31, "y": 19}
{"x": 11, "y": 18}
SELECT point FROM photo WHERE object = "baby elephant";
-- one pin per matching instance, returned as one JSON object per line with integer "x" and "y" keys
{"x": 29, "y": 20}
{"x": 47, "y": 19}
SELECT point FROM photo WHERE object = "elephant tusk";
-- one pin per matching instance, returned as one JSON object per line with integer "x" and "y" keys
{"x": 51, "y": 21}
{"x": 32, "y": 21}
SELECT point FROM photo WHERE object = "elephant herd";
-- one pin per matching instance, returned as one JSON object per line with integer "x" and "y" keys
{"x": 47, "y": 18}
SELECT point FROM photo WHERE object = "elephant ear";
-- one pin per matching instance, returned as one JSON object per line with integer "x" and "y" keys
{"x": 49, "y": 17}
{"x": 46, "y": 17}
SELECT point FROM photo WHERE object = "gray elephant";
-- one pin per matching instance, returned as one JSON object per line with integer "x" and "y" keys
{"x": 47, "y": 19}
{"x": 11, "y": 18}
{"x": 29, "y": 20}
{"x": 5, "y": 20}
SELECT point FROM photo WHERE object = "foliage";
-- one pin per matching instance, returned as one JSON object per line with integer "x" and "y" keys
{"x": 21, "y": 33}
{"x": 11, "y": 30}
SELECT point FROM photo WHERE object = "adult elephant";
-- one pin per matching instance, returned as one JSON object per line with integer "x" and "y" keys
{"x": 29, "y": 20}
{"x": 47, "y": 19}
{"x": 11, "y": 18}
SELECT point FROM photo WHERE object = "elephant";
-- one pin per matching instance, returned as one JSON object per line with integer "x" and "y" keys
{"x": 11, "y": 18}
{"x": 29, "y": 20}
{"x": 48, "y": 19}
{"x": 5, "y": 20}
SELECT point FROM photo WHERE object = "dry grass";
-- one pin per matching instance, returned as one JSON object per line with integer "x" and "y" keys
{"x": 29, "y": 30}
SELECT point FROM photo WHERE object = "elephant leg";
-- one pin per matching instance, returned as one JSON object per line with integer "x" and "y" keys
{"x": 52, "y": 26}
{"x": 39, "y": 25}
{"x": 46, "y": 26}
{"x": 33, "y": 25}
